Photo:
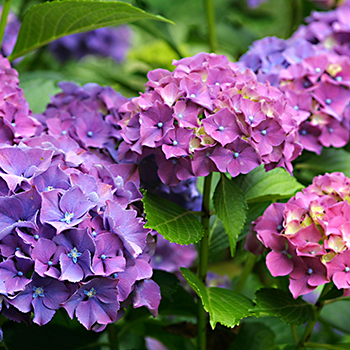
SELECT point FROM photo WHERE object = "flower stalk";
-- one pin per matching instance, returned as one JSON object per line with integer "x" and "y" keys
{"x": 203, "y": 257}
{"x": 5, "y": 12}
{"x": 210, "y": 13}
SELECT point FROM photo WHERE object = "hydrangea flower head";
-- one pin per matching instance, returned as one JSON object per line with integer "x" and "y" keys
{"x": 106, "y": 42}
{"x": 309, "y": 236}
{"x": 207, "y": 116}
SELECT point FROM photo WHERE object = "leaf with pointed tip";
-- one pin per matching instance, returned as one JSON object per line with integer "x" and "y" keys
{"x": 174, "y": 223}
{"x": 49, "y": 21}
{"x": 273, "y": 185}
{"x": 231, "y": 208}
{"x": 223, "y": 305}
{"x": 276, "y": 302}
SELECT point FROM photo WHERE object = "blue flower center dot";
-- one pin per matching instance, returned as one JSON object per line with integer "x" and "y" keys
{"x": 221, "y": 128}
{"x": 90, "y": 133}
{"x": 160, "y": 124}
{"x": 193, "y": 96}
{"x": 74, "y": 255}
{"x": 310, "y": 271}
{"x": 18, "y": 249}
{"x": 317, "y": 69}
{"x": 347, "y": 269}
{"x": 50, "y": 263}
{"x": 217, "y": 83}
{"x": 36, "y": 237}
{"x": 339, "y": 78}
{"x": 64, "y": 132}
{"x": 303, "y": 132}
{"x": 279, "y": 227}
{"x": 38, "y": 292}
{"x": 236, "y": 154}
{"x": 251, "y": 118}
{"x": 174, "y": 161}
{"x": 263, "y": 132}
{"x": 13, "y": 124}
{"x": 20, "y": 273}
{"x": 330, "y": 130}
{"x": 296, "y": 108}
{"x": 115, "y": 275}
{"x": 90, "y": 293}
{"x": 175, "y": 143}
{"x": 103, "y": 257}
{"x": 67, "y": 217}
{"x": 328, "y": 101}
{"x": 180, "y": 116}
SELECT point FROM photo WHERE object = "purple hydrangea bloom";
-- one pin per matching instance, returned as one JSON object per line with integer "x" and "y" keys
{"x": 106, "y": 42}
{"x": 308, "y": 237}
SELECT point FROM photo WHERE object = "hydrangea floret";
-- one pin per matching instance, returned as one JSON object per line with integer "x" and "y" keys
{"x": 308, "y": 237}
{"x": 208, "y": 116}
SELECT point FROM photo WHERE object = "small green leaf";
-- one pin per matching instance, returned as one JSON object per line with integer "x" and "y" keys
{"x": 275, "y": 184}
{"x": 174, "y": 223}
{"x": 231, "y": 208}
{"x": 276, "y": 302}
{"x": 49, "y": 21}
{"x": 223, "y": 305}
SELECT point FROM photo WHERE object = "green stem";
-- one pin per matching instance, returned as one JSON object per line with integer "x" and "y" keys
{"x": 210, "y": 12}
{"x": 296, "y": 15}
{"x": 112, "y": 337}
{"x": 323, "y": 346}
{"x": 295, "y": 334}
{"x": 5, "y": 12}
{"x": 311, "y": 325}
{"x": 245, "y": 273}
{"x": 203, "y": 257}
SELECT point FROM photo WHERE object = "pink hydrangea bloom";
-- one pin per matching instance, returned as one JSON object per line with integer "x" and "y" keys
{"x": 206, "y": 116}
{"x": 309, "y": 236}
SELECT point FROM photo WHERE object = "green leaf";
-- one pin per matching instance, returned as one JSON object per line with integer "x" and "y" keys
{"x": 174, "y": 223}
{"x": 276, "y": 302}
{"x": 231, "y": 208}
{"x": 223, "y": 305}
{"x": 254, "y": 336}
{"x": 38, "y": 86}
{"x": 330, "y": 160}
{"x": 273, "y": 185}
{"x": 49, "y": 21}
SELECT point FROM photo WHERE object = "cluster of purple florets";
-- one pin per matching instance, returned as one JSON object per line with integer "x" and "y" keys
{"x": 207, "y": 116}
{"x": 106, "y": 42}
{"x": 16, "y": 121}
{"x": 69, "y": 234}
{"x": 309, "y": 235}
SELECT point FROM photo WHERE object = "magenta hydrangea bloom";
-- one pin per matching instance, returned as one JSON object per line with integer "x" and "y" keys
{"x": 11, "y": 31}
{"x": 206, "y": 116}
{"x": 308, "y": 237}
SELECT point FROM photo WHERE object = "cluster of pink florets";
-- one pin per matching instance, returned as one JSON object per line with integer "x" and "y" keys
{"x": 207, "y": 116}
{"x": 318, "y": 88}
{"x": 309, "y": 236}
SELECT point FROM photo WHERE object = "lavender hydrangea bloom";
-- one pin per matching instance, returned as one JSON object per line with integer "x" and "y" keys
{"x": 106, "y": 42}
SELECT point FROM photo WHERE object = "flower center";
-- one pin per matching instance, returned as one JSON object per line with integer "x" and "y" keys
{"x": 160, "y": 124}
{"x": 67, "y": 217}
{"x": 328, "y": 101}
{"x": 310, "y": 271}
{"x": 74, "y": 254}
{"x": 90, "y": 134}
{"x": 38, "y": 292}
{"x": 90, "y": 293}
{"x": 221, "y": 128}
